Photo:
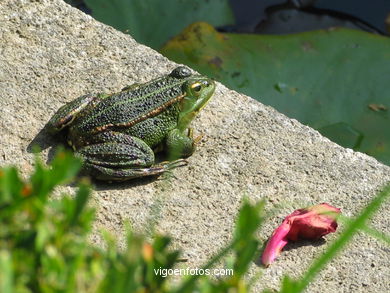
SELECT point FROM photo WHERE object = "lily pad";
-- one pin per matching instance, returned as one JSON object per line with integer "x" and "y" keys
{"x": 153, "y": 22}
{"x": 336, "y": 81}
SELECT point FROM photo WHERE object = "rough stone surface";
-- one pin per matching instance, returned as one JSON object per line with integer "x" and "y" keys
{"x": 52, "y": 53}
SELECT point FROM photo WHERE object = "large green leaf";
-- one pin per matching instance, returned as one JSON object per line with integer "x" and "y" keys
{"x": 336, "y": 81}
{"x": 153, "y": 22}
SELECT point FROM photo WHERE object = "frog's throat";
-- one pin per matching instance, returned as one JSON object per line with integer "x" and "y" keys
{"x": 185, "y": 119}
{"x": 150, "y": 114}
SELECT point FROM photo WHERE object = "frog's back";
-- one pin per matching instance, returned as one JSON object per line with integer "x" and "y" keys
{"x": 130, "y": 107}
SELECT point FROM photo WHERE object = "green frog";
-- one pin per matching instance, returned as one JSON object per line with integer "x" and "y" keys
{"x": 117, "y": 135}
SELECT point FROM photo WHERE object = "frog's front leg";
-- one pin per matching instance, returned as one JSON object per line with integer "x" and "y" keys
{"x": 118, "y": 156}
{"x": 68, "y": 112}
{"x": 180, "y": 144}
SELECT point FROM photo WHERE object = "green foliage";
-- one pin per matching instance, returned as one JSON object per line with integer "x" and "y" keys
{"x": 153, "y": 22}
{"x": 335, "y": 81}
{"x": 42, "y": 241}
{"x": 44, "y": 246}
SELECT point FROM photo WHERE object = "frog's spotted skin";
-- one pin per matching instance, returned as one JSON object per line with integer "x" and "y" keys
{"x": 116, "y": 134}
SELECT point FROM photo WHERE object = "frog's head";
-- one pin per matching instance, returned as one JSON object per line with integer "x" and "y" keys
{"x": 198, "y": 91}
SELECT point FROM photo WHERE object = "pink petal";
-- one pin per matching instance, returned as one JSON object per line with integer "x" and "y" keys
{"x": 309, "y": 223}
{"x": 276, "y": 243}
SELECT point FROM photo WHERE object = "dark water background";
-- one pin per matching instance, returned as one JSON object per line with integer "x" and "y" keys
{"x": 370, "y": 12}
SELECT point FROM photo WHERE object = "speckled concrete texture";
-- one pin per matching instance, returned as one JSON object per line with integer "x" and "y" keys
{"x": 51, "y": 53}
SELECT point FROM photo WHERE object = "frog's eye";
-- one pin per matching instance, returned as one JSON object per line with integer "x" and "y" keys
{"x": 196, "y": 87}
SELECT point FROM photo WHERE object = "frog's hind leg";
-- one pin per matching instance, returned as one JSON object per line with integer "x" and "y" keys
{"x": 68, "y": 112}
{"x": 122, "y": 174}
{"x": 117, "y": 156}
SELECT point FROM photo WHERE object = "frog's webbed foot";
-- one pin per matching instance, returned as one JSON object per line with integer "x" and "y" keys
{"x": 118, "y": 156}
